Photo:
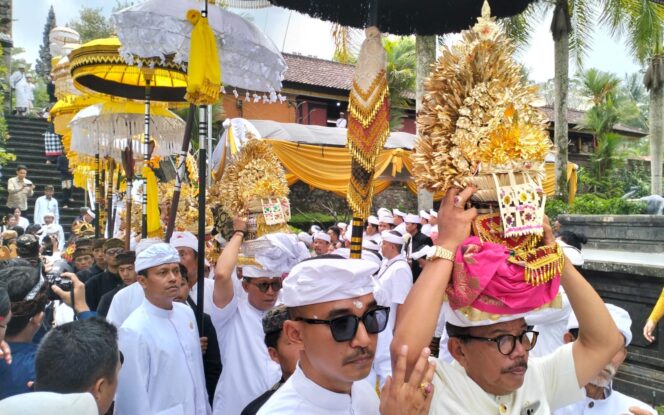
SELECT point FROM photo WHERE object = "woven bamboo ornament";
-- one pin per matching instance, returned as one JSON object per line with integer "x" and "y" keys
{"x": 368, "y": 121}
{"x": 477, "y": 117}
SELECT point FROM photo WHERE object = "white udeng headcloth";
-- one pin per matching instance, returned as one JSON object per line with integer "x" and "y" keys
{"x": 328, "y": 279}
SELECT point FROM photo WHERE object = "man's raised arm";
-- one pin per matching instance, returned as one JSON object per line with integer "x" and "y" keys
{"x": 418, "y": 315}
{"x": 223, "y": 285}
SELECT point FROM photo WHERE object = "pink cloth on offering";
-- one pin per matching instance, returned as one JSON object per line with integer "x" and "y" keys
{"x": 486, "y": 281}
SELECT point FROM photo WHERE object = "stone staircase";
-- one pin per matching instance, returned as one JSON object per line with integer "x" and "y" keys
{"x": 26, "y": 141}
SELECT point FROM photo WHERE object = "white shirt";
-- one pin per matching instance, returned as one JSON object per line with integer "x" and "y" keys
{"x": 550, "y": 382}
{"x": 615, "y": 404}
{"x": 248, "y": 370}
{"x": 162, "y": 371}
{"x": 43, "y": 205}
{"x": 392, "y": 285}
{"x": 131, "y": 297}
{"x": 300, "y": 395}
{"x": 426, "y": 229}
{"x": 23, "y": 223}
{"x": 551, "y": 325}
{"x": 54, "y": 229}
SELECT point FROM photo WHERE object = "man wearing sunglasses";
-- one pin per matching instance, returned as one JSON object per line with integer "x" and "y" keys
{"x": 335, "y": 318}
{"x": 108, "y": 280}
{"x": 237, "y": 314}
{"x": 491, "y": 372}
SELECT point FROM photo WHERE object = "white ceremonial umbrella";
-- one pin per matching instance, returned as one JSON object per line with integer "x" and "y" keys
{"x": 157, "y": 28}
{"x": 106, "y": 129}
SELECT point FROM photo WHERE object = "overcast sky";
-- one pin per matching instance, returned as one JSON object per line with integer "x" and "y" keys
{"x": 294, "y": 32}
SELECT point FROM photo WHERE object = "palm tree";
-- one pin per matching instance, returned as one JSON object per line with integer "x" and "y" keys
{"x": 643, "y": 23}
{"x": 401, "y": 76}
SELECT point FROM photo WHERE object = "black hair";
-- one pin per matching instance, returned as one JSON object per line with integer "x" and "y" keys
{"x": 184, "y": 273}
{"x": 20, "y": 281}
{"x": 573, "y": 239}
{"x": 27, "y": 246}
{"x": 32, "y": 229}
{"x": 272, "y": 338}
{"x": 73, "y": 356}
{"x": 574, "y": 332}
{"x": 18, "y": 229}
{"x": 5, "y": 302}
{"x": 456, "y": 331}
{"x": 49, "y": 187}
{"x": 336, "y": 230}
{"x": 21, "y": 167}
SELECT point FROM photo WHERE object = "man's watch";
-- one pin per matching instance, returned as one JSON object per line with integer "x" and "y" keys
{"x": 438, "y": 252}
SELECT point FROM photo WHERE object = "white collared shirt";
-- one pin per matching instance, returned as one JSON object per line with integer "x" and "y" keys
{"x": 300, "y": 395}
{"x": 248, "y": 370}
{"x": 392, "y": 285}
{"x": 550, "y": 382}
{"x": 43, "y": 205}
{"x": 131, "y": 297}
{"x": 615, "y": 404}
{"x": 162, "y": 371}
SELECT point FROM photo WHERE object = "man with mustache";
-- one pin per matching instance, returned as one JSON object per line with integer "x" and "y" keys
{"x": 334, "y": 317}
{"x": 491, "y": 373}
{"x": 163, "y": 366}
{"x": 600, "y": 396}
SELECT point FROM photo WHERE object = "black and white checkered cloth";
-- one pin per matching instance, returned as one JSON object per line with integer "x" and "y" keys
{"x": 52, "y": 144}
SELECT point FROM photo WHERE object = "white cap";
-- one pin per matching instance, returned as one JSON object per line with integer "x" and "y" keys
{"x": 144, "y": 244}
{"x": 433, "y": 213}
{"x": 155, "y": 255}
{"x": 619, "y": 315}
{"x": 37, "y": 403}
{"x": 369, "y": 244}
{"x": 421, "y": 253}
{"x": 281, "y": 254}
{"x": 51, "y": 214}
{"x": 342, "y": 225}
{"x": 397, "y": 212}
{"x": 389, "y": 236}
{"x": 412, "y": 218}
{"x": 305, "y": 237}
{"x": 328, "y": 279}
{"x": 184, "y": 239}
{"x": 250, "y": 271}
{"x": 386, "y": 219}
{"x": 314, "y": 229}
{"x": 372, "y": 220}
{"x": 572, "y": 253}
{"x": 424, "y": 214}
{"x": 91, "y": 213}
{"x": 323, "y": 237}
{"x": 383, "y": 212}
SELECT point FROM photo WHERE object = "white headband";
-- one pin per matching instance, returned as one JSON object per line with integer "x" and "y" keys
{"x": 389, "y": 236}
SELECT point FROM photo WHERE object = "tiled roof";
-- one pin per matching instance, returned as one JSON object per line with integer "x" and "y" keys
{"x": 308, "y": 70}
{"x": 576, "y": 118}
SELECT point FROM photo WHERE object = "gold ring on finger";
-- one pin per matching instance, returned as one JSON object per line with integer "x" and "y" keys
{"x": 426, "y": 388}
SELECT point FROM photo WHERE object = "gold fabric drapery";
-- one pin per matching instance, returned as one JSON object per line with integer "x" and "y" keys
{"x": 328, "y": 168}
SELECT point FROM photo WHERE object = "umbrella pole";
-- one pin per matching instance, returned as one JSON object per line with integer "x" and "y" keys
{"x": 146, "y": 144}
{"x": 109, "y": 201}
{"x": 128, "y": 213}
{"x": 202, "y": 169}
{"x": 356, "y": 237}
{"x": 179, "y": 178}
{"x": 97, "y": 195}
{"x": 114, "y": 207}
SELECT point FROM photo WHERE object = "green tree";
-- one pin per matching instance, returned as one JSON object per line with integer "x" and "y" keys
{"x": 43, "y": 65}
{"x": 401, "y": 76}
{"x": 92, "y": 24}
{"x": 641, "y": 23}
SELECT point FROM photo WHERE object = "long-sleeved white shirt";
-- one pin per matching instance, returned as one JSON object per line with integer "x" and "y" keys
{"x": 162, "y": 371}
{"x": 44, "y": 205}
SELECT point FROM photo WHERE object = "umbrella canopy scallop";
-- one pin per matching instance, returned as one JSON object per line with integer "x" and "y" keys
{"x": 107, "y": 128}
{"x": 159, "y": 29}
{"x": 98, "y": 69}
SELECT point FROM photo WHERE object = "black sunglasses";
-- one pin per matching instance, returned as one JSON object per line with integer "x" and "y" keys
{"x": 507, "y": 342}
{"x": 344, "y": 328}
{"x": 263, "y": 286}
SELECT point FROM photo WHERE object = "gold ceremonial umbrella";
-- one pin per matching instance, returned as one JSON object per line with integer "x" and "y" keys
{"x": 98, "y": 69}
